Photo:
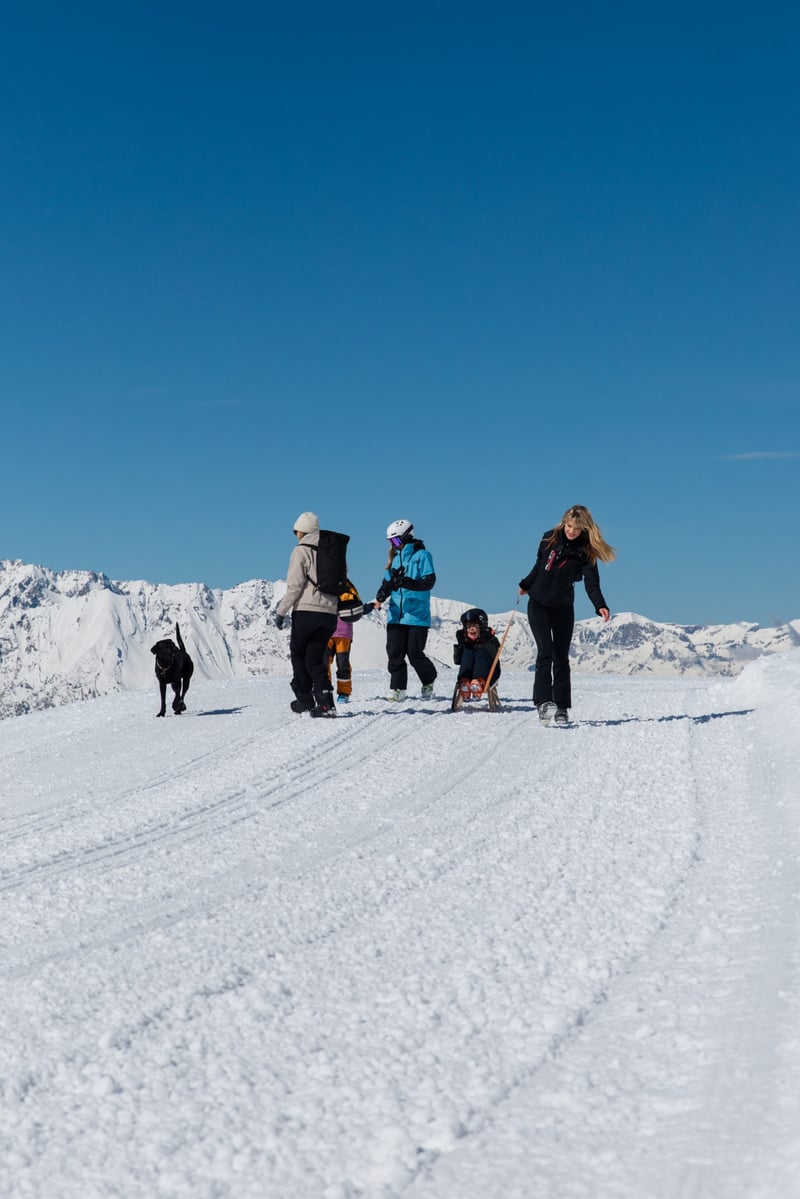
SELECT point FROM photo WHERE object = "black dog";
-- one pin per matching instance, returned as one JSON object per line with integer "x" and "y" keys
{"x": 174, "y": 668}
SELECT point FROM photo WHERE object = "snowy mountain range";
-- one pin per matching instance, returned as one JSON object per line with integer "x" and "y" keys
{"x": 69, "y": 635}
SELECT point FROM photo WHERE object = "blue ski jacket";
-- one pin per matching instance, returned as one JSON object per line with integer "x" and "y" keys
{"x": 410, "y": 582}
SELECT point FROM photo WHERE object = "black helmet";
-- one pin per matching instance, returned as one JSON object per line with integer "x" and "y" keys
{"x": 476, "y": 616}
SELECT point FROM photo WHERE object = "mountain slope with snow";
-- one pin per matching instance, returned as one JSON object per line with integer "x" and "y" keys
{"x": 76, "y": 635}
{"x": 404, "y": 952}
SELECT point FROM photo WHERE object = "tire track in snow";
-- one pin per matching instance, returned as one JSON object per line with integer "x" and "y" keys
{"x": 393, "y": 898}
{"x": 243, "y": 805}
{"x": 638, "y": 1055}
{"x": 52, "y": 818}
{"x": 324, "y": 763}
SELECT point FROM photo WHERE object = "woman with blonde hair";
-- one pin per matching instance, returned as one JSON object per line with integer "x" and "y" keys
{"x": 568, "y": 553}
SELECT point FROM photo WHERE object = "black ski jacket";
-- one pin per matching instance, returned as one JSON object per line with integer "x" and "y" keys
{"x": 487, "y": 641}
{"x": 556, "y": 571}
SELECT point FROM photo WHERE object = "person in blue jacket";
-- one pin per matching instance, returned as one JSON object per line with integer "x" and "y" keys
{"x": 407, "y": 584}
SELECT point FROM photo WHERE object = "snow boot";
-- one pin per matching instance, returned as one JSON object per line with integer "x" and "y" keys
{"x": 397, "y": 694}
{"x": 427, "y": 691}
{"x": 303, "y": 703}
{"x": 546, "y": 711}
{"x": 477, "y": 688}
{"x": 465, "y": 689}
{"x": 561, "y": 717}
{"x": 324, "y": 705}
{"x": 343, "y": 699}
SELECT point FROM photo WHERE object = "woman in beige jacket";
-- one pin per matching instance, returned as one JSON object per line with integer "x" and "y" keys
{"x": 314, "y": 616}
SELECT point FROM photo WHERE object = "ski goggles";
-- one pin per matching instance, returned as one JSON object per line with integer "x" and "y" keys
{"x": 396, "y": 542}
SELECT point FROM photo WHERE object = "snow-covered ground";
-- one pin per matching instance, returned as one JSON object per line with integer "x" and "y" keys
{"x": 406, "y": 952}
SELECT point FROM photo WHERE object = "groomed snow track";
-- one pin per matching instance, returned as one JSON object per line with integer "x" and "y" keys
{"x": 407, "y": 952}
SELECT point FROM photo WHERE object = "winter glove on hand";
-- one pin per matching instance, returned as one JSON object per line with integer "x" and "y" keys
{"x": 383, "y": 592}
{"x": 279, "y": 620}
{"x": 398, "y": 574}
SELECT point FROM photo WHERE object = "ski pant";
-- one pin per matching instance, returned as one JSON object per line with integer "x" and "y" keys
{"x": 476, "y": 664}
{"x": 407, "y": 641}
{"x": 552, "y": 629}
{"x": 308, "y": 648}
{"x": 339, "y": 648}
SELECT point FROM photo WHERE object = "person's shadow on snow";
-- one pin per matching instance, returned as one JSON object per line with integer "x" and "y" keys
{"x": 661, "y": 719}
{"x": 222, "y": 711}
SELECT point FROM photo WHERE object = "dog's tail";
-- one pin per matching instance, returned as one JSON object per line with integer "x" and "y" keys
{"x": 180, "y": 639}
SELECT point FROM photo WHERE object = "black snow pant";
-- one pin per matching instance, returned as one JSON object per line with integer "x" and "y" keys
{"x": 407, "y": 640}
{"x": 552, "y": 629}
{"x": 308, "y": 647}
{"x": 476, "y": 664}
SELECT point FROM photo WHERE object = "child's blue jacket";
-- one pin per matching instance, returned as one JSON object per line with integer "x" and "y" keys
{"x": 412, "y": 604}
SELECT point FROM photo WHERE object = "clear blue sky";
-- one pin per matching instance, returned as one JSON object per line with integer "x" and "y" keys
{"x": 460, "y": 263}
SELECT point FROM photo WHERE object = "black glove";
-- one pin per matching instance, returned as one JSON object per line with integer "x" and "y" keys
{"x": 460, "y": 637}
{"x": 279, "y": 620}
{"x": 384, "y": 591}
{"x": 398, "y": 573}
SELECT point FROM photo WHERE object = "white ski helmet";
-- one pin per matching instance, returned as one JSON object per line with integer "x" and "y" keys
{"x": 399, "y": 528}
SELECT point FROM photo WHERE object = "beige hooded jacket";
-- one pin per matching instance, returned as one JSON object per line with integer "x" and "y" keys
{"x": 301, "y": 591}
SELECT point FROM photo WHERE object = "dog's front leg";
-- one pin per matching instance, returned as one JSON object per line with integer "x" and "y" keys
{"x": 163, "y": 687}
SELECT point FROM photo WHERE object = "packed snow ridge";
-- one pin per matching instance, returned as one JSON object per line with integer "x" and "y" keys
{"x": 73, "y": 635}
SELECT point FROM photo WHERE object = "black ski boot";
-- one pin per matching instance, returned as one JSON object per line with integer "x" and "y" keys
{"x": 325, "y": 705}
{"x": 303, "y": 703}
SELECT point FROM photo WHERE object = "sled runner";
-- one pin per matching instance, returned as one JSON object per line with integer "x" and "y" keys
{"x": 489, "y": 694}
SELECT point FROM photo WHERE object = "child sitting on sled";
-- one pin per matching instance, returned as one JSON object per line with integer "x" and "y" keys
{"x": 474, "y": 652}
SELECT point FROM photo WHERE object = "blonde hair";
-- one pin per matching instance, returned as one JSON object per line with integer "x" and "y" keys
{"x": 598, "y": 548}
